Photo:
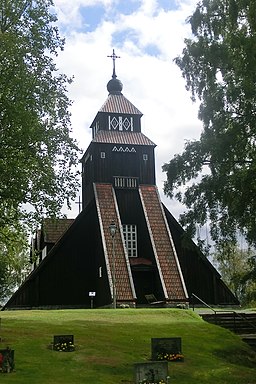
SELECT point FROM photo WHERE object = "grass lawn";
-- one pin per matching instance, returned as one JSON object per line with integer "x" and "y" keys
{"x": 108, "y": 343}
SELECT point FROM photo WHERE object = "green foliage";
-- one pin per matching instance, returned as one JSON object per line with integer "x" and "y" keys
{"x": 37, "y": 154}
{"x": 109, "y": 343}
{"x": 14, "y": 260}
{"x": 249, "y": 281}
{"x": 237, "y": 271}
{"x": 218, "y": 170}
{"x": 38, "y": 157}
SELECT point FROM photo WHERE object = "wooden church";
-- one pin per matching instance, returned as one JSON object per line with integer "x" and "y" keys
{"x": 124, "y": 248}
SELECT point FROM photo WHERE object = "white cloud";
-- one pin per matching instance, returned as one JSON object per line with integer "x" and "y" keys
{"x": 152, "y": 83}
{"x": 148, "y": 7}
{"x": 68, "y": 11}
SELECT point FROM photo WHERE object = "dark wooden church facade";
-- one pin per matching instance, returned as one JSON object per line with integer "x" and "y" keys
{"x": 145, "y": 258}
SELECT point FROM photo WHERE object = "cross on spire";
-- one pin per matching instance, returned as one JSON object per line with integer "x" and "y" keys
{"x": 79, "y": 202}
{"x": 114, "y": 57}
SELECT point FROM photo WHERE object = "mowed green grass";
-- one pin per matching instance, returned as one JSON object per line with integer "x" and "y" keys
{"x": 108, "y": 343}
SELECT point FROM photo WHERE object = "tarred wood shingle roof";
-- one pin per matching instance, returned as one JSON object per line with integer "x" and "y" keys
{"x": 117, "y": 137}
{"x": 108, "y": 212}
{"x": 162, "y": 243}
{"x": 53, "y": 229}
{"x": 119, "y": 104}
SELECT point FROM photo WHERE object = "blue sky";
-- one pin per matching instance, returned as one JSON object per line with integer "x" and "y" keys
{"x": 94, "y": 15}
{"x": 148, "y": 35}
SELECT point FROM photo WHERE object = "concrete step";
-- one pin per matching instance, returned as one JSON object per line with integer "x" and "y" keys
{"x": 238, "y": 322}
{"x": 242, "y": 323}
{"x": 250, "y": 339}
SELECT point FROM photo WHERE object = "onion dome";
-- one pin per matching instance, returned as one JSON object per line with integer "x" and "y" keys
{"x": 114, "y": 86}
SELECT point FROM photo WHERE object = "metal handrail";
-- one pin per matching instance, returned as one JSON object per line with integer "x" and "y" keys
{"x": 203, "y": 302}
{"x": 223, "y": 311}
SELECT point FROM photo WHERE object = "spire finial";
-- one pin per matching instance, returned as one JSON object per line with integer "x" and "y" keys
{"x": 114, "y": 57}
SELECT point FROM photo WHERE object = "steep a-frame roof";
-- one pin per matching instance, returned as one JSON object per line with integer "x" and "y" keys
{"x": 117, "y": 265}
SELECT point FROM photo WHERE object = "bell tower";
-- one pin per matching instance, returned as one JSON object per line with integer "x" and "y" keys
{"x": 119, "y": 152}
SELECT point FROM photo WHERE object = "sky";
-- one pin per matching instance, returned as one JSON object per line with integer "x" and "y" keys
{"x": 147, "y": 35}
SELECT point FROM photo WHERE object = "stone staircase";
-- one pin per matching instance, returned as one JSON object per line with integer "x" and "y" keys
{"x": 241, "y": 323}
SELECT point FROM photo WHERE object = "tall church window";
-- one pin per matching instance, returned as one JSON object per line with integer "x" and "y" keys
{"x": 130, "y": 239}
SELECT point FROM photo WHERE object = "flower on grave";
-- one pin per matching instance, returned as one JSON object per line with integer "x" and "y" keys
{"x": 153, "y": 382}
{"x": 64, "y": 347}
{"x": 170, "y": 356}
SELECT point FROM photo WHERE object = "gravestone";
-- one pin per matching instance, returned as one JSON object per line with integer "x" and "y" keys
{"x": 151, "y": 372}
{"x": 168, "y": 348}
{"x": 6, "y": 360}
{"x": 63, "y": 343}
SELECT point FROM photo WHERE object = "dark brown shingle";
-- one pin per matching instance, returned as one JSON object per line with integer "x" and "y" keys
{"x": 119, "y": 104}
{"x": 117, "y": 137}
{"x": 53, "y": 229}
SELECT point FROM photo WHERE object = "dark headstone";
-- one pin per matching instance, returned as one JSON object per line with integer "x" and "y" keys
{"x": 6, "y": 360}
{"x": 150, "y": 372}
{"x": 63, "y": 343}
{"x": 166, "y": 349}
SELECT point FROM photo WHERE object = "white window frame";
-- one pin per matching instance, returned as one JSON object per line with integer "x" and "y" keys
{"x": 44, "y": 252}
{"x": 130, "y": 239}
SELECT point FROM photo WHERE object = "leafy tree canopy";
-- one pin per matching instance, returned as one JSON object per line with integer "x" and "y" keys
{"x": 14, "y": 260}
{"x": 37, "y": 154}
{"x": 237, "y": 268}
{"x": 214, "y": 177}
